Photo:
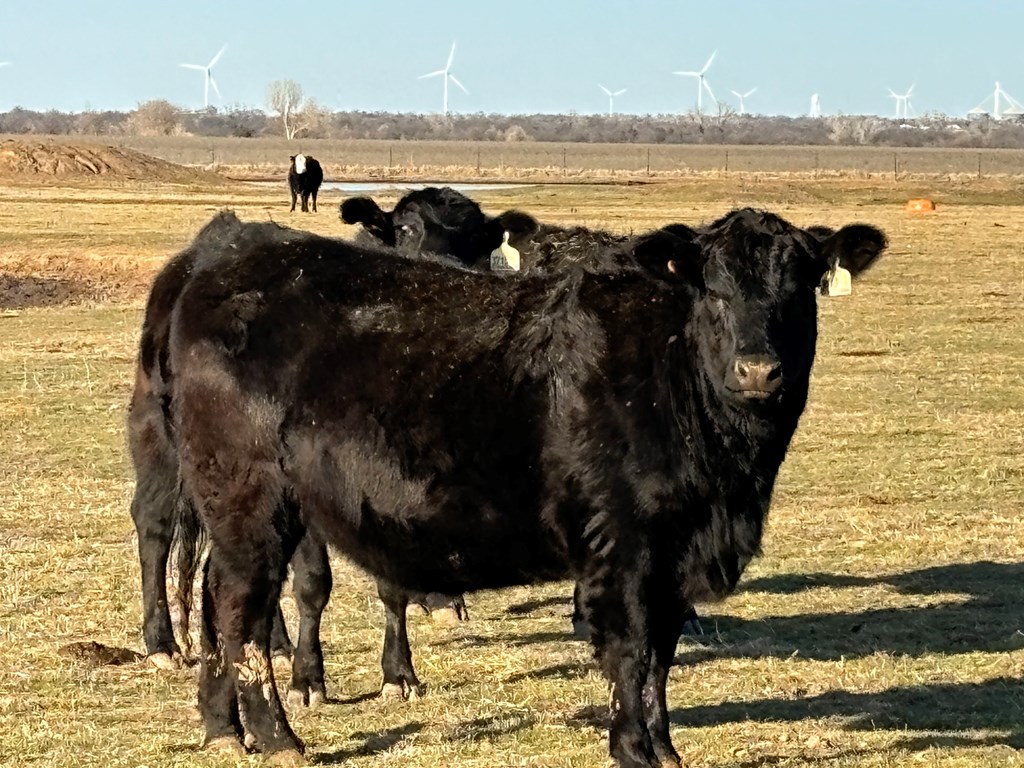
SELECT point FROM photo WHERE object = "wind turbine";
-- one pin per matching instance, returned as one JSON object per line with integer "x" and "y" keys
{"x": 815, "y": 105}
{"x": 1013, "y": 107}
{"x": 741, "y": 97}
{"x": 611, "y": 97}
{"x": 903, "y": 100}
{"x": 702, "y": 84}
{"x": 208, "y": 76}
{"x": 447, "y": 75}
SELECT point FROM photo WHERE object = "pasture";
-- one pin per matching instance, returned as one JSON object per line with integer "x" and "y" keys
{"x": 883, "y": 626}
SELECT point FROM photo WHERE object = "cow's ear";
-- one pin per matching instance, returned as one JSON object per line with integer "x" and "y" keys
{"x": 672, "y": 254}
{"x": 855, "y": 247}
{"x": 520, "y": 226}
{"x": 365, "y": 211}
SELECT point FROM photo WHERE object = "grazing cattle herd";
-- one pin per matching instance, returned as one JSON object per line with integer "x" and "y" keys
{"x": 615, "y": 413}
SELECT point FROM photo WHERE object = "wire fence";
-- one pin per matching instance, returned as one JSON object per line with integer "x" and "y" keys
{"x": 511, "y": 158}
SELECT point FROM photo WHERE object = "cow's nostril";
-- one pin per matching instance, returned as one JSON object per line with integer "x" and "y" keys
{"x": 757, "y": 374}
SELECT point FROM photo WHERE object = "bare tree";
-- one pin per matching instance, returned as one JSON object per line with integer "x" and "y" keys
{"x": 154, "y": 118}
{"x": 285, "y": 98}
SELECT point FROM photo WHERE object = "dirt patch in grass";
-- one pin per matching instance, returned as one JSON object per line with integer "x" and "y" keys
{"x": 41, "y": 160}
{"x": 21, "y": 291}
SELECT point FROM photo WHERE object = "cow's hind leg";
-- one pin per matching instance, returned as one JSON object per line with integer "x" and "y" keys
{"x": 400, "y": 681}
{"x": 153, "y": 512}
{"x": 242, "y": 595}
{"x": 312, "y": 584}
{"x": 280, "y": 644}
{"x": 218, "y": 704}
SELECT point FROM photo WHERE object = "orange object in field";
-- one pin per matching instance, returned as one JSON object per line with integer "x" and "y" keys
{"x": 920, "y": 204}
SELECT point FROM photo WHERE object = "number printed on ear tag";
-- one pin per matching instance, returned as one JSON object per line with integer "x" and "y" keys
{"x": 504, "y": 258}
{"x": 838, "y": 282}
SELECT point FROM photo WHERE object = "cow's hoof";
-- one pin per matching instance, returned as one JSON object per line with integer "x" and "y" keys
{"x": 286, "y": 758}
{"x": 581, "y": 629}
{"x": 283, "y": 653}
{"x": 295, "y": 699}
{"x": 165, "y": 661}
{"x": 401, "y": 692}
{"x": 447, "y": 616}
{"x": 225, "y": 745}
{"x": 392, "y": 692}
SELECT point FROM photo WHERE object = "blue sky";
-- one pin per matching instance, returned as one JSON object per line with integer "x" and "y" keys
{"x": 515, "y": 57}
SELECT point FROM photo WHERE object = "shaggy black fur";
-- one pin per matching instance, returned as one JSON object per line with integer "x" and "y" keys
{"x": 452, "y": 431}
{"x": 166, "y": 520}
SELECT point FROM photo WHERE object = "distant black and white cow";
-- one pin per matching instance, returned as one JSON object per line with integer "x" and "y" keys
{"x": 304, "y": 179}
{"x": 621, "y": 427}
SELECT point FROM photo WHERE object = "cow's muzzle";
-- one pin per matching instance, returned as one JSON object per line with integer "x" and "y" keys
{"x": 755, "y": 377}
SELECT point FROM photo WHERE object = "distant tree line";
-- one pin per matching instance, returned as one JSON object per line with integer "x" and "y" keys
{"x": 292, "y": 115}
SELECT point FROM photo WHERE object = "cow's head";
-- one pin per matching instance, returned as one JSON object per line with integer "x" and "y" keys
{"x": 754, "y": 320}
{"x": 435, "y": 220}
{"x": 299, "y": 163}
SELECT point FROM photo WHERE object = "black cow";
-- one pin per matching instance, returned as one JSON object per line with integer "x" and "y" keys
{"x": 440, "y": 220}
{"x": 434, "y": 220}
{"x": 165, "y": 517}
{"x": 304, "y": 179}
{"x": 450, "y": 431}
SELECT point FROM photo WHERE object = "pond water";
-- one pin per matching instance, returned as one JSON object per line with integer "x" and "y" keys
{"x": 364, "y": 187}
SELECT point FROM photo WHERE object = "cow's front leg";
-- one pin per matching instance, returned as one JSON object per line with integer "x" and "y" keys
{"x": 614, "y": 603}
{"x": 666, "y": 620}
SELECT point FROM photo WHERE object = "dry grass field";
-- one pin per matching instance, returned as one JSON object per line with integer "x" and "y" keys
{"x": 883, "y": 626}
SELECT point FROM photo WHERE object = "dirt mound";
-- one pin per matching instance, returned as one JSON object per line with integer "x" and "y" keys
{"x": 21, "y": 159}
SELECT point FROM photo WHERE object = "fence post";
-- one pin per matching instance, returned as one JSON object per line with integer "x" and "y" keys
{"x": 895, "y": 166}
{"x": 727, "y": 161}
{"x": 563, "y": 161}
{"x": 815, "y": 165}
{"x": 648, "y": 161}
{"x": 391, "y": 157}
{"x": 478, "y": 161}
{"x": 979, "y": 165}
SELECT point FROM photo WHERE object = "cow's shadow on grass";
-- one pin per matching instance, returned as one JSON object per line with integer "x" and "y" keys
{"x": 373, "y": 743}
{"x": 931, "y": 716}
{"x": 983, "y": 614}
{"x": 934, "y": 716}
{"x": 557, "y": 604}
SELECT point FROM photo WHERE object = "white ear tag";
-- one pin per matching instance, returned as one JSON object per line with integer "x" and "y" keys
{"x": 839, "y": 282}
{"x": 504, "y": 258}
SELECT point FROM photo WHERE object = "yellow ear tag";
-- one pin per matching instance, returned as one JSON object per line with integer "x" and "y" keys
{"x": 839, "y": 282}
{"x": 504, "y": 258}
